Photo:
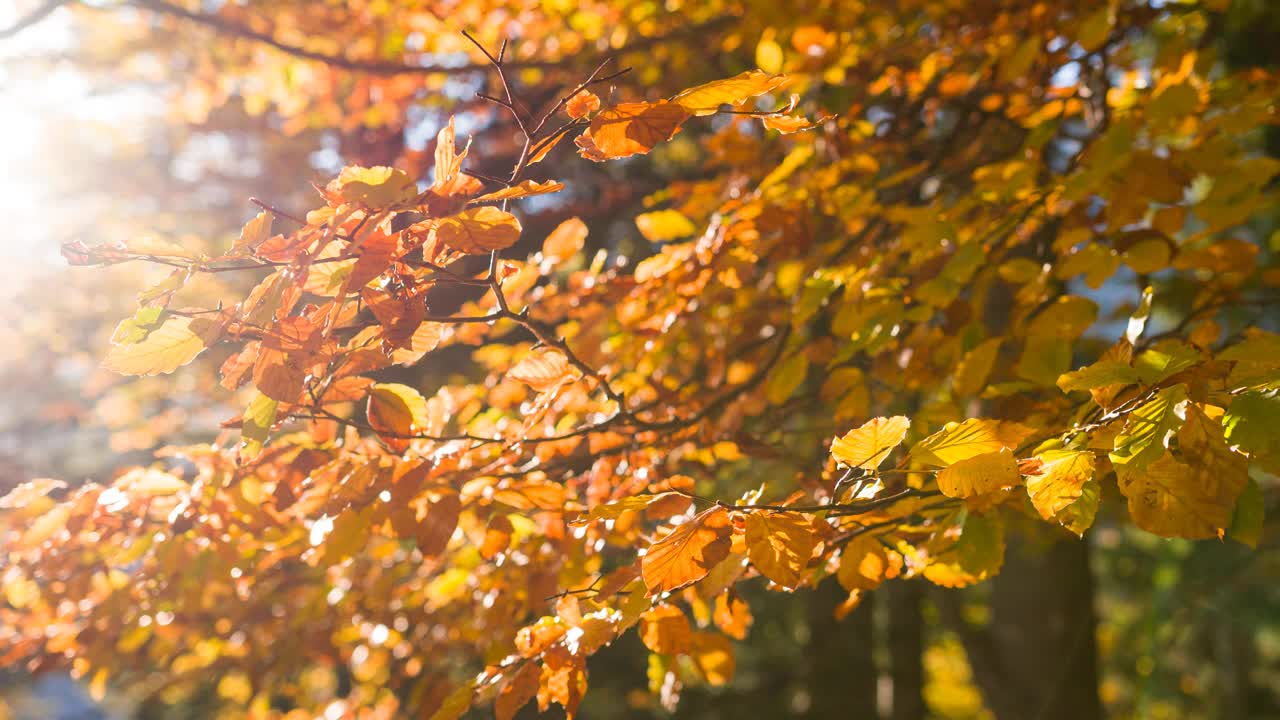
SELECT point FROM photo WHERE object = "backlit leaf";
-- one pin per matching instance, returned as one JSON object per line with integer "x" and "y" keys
{"x": 634, "y": 128}
{"x": 479, "y": 230}
{"x": 979, "y": 474}
{"x": 165, "y": 347}
{"x": 869, "y": 445}
{"x": 973, "y": 437}
{"x": 706, "y": 99}
{"x": 665, "y": 630}
{"x": 780, "y": 544}
{"x": 686, "y": 554}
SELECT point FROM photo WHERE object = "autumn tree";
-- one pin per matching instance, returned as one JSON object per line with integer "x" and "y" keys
{"x": 677, "y": 303}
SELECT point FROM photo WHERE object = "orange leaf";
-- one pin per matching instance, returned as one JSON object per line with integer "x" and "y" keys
{"x": 582, "y": 104}
{"x": 543, "y": 369}
{"x": 565, "y": 241}
{"x": 634, "y": 128}
{"x": 528, "y": 188}
{"x": 517, "y": 692}
{"x": 688, "y": 552}
{"x": 665, "y": 630}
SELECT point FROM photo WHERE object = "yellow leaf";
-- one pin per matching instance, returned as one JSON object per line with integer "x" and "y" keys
{"x": 712, "y": 654}
{"x": 973, "y": 370}
{"x": 973, "y": 437}
{"x": 664, "y": 225}
{"x": 868, "y": 446}
{"x": 780, "y": 544}
{"x": 865, "y": 563}
{"x": 788, "y": 124}
{"x": 665, "y": 630}
{"x": 979, "y": 475}
{"x": 688, "y": 552}
{"x": 769, "y": 55}
{"x": 458, "y": 702}
{"x": 256, "y": 425}
{"x": 164, "y": 347}
{"x": 975, "y": 556}
{"x": 706, "y": 99}
{"x": 1192, "y": 497}
{"x": 479, "y": 230}
{"x": 1061, "y": 481}
{"x": 254, "y": 233}
{"x": 1173, "y": 499}
{"x": 374, "y": 187}
{"x": 1146, "y": 429}
{"x": 788, "y": 376}
{"x": 634, "y": 128}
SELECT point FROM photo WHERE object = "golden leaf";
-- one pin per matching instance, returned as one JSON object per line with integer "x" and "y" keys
{"x": 869, "y": 445}
{"x": 377, "y": 187}
{"x": 665, "y": 630}
{"x": 582, "y": 104}
{"x": 1192, "y": 497}
{"x": 565, "y": 241}
{"x": 479, "y": 230}
{"x": 865, "y": 563}
{"x": 712, "y": 654}
{"x": 979, "y": 474}
{"x": 706, "y": 99}
{"x": 1060, "y": 482}
{"x": 973, "y": 437}
{"x": 780, "y": 544}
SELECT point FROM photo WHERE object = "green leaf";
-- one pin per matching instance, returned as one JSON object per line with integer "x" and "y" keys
{"x": 1252, "y": 421}
{"x": 789, "y": 376}
{"x": 977, "y": 555}
{"x": 257, "y": 421}
{"x": 1247, "y": 521}
{"x": 1142, "y": 439}
{"x": 1099, "y": 374}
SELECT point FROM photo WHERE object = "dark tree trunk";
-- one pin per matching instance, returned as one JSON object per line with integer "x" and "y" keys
{"x": 906, "y": 649}
{"x": 842, "y": 673}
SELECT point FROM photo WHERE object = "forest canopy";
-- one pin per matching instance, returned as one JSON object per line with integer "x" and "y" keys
{"x": 484, "y": 357}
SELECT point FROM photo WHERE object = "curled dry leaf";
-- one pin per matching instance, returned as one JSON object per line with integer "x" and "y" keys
{"x": 582, "y": 104}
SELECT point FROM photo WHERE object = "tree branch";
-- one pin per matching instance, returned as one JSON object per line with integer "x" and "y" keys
{"x": 41, "y": 12}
